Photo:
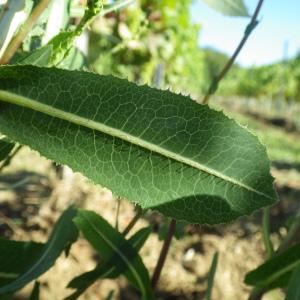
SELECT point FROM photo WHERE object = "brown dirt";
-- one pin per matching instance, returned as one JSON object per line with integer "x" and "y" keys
{"x": 29, "y": 210}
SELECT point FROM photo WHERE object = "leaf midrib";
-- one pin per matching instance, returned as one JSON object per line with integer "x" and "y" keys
{"x": 26, "y": 102}
{"x": 116, "y": 249}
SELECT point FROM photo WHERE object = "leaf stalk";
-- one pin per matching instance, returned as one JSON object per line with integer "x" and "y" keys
{"x": 250, "y": 27}
{"x": 163, "y": 254}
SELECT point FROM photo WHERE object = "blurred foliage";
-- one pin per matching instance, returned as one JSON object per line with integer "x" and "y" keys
{"x": 279, "y": 80}
{"x": 152, "y": 42}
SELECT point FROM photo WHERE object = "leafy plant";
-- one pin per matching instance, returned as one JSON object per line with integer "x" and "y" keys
{"x": 160, "y": 150}
{"x": 165, "y": 170}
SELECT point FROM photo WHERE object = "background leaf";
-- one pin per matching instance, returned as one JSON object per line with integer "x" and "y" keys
{"x": 16, "y": 257}
{"x": 293, "y": 290}
{"x": 108, "y": 269}
{"x": 277, "y": 271}
{"x": 236, "y": 8}
{"x": 113, "y": 248}
{"x": 64, "y": 234}
{"x": 211, "y": 276}
{"x": 158, "y": 149}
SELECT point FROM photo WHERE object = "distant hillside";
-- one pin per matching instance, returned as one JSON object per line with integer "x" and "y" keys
{"x": 278, "y": 80}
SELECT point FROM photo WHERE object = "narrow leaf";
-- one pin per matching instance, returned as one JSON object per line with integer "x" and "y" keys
{"x": 293, "y": 290}
{"x": 16, "y": 257}
{"x": 64, "y": 233}
{"x": 5, "y": 148}
{"x": 158, "y": 149}
{"x": 211, "y": 276}
{"x": 136, "y": 241}
{"x": 39, "y": 57}
{"x": 106, "y": 270}
{"x": 277, "y": 271}
{"x": 113, "y": 247}
{"x": 236, "y": 8}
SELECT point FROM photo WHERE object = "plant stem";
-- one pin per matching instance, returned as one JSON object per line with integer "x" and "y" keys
{"x": 133, "y": 221}
{"x": 118, "y": 213}
{"x": 163, "y": 254}
{"x": 266, "y": 232}
{"x": 24, "y": 30}
{"x": 295, "y": 227}
{"x": 258, "y": 292}
{"x": 253, "y": 22}
{"x": 8, "y": 159}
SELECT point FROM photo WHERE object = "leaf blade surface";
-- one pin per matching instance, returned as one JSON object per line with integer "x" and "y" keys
{"x": 156, "y": 148}
{"x": 64, "y": 234}
{"x": 112, "y": 246}
{"x": 106, "y": 270}
{"x": 276, "y": 271}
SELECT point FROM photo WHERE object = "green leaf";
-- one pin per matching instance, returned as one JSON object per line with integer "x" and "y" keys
{"x": 236, "y": 8}
{"x": 211, "y": 276}
{"x": 61, "y": 46}
{"x": 75, "y": 60}
{"x": 277, "y": 271}
{"x": 293, "y": 290}
{"x": 39, "y": 57}
{"x": 108, "y": 269}
{"x": 16, "y": 257}
{"x": 5, "y": 148}
{"x": 113, "y": 247}
{"x": 64, "y": 234}
{"x": 57, "y": 20}
{"x": 158, "y": 149}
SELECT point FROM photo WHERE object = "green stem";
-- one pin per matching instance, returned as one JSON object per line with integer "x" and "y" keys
{"x": 266, "y": 232}
{"x": 256, "y": 294}
{"x": 294, "y": 228}
{"x": 253, "y": 22}
{"x": 8, "y": 159}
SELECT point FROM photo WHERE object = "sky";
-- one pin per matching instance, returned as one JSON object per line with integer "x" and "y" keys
{"x": 279, "y": 29}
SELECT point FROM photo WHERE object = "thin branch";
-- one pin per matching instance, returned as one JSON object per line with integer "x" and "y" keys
{"x": 133, "y": 221}
{"x": 253, "y": 22}
{"x": 163, "y": 254}
{"x": 118, "y": 213}
{"x": 8, "y": 159}
{"x": 24, "y": 30}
